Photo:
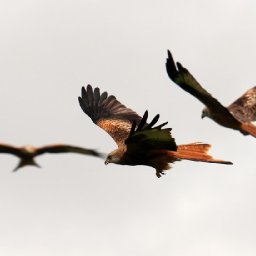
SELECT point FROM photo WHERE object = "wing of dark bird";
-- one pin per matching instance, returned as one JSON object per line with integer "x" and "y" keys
{"x": 9, "y": 149}
{"x": 244, "y": 108}
{"x": 182, "y": 77}
{"x": 145, "y": 137}
{"x": 64, "y": 148}
{"x": 108, "y": 113}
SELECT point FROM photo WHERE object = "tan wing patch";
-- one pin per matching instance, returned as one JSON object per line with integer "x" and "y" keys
{"x": 118, "y": 129}
{"x": 244, "y": 108}
{"x": 108, "y": 113}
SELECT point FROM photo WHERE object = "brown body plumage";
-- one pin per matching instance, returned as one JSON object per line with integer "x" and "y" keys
{"x": 238, "y": 116}
{"x": 139, "y": 142}
{"x": 28, "y": 153}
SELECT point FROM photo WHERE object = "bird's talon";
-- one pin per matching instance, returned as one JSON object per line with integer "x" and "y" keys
{"x": 159, "y": 174}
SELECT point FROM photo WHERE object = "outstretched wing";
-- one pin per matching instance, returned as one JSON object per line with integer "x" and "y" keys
{"x": 9, "y": 149}
{"x": 144, "y": 137}
{"x": 182, "y": 77}
{"x": 244, "y": 108}
{"x": 108, "y": 113}
{"x": 64, "y": 148}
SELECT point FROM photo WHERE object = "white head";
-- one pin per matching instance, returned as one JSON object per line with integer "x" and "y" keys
{"x": 29, "y": 148}
{"x": 205, "y": 113}
{"x": 114, "y": 157}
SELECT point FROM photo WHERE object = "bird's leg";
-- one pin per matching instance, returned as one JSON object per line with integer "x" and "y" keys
{"x": 159, "y": 173}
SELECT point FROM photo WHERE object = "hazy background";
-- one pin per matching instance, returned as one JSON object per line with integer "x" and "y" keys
{"x": 75, "y": 205}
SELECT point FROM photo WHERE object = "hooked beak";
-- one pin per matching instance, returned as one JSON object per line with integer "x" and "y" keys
{"x": 203, "y": 115}
{"x": 106, "y": 162}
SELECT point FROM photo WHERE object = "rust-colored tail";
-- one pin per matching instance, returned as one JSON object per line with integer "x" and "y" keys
{"x": 196, "y": 152}
{"x": 249, "y": 128}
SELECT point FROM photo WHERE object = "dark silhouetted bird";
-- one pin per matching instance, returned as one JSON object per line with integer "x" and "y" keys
{"x": 28, "y": 153}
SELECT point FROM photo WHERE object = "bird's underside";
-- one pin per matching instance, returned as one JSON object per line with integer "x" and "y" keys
{"x": 238, "y": 116}
{"x": 139, "y": 142}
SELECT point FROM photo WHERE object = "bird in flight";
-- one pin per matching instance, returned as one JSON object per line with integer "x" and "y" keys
{"x": 139, "y": 142}
{"x": 240, "y": 115}
{"x": 28, "y": 153}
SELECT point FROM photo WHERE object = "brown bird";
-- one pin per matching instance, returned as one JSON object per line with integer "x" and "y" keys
{"x": 28, "y": 153}
{"x": 238, "y": 116}
{"x": 138, "y": 143}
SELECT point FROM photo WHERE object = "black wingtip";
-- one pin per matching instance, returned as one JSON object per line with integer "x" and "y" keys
{"x": 162, "y": 125}
{"x": 89, "y": 86}
{"x": 143, "y": 121}
{"x": 132, "y": 128}
{"x": 82, "y": 90}
{"x": 170, "y": 66}
{"x": 153, "y": 122}
{"x": 97, "y": 154}
{"x": 169, "y": 57}
{"x": 179, "y": 66}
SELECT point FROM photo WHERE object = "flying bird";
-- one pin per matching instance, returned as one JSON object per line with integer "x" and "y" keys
{"x": 28, "y": 153}
{"x": 238, "y": 116}
{"x": 138, "y": 142}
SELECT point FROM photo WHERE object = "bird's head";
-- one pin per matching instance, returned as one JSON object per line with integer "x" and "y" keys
{"x": 29, "y": 149}
{"x": 205, "y": 113}
{"x": 113, "y": 157}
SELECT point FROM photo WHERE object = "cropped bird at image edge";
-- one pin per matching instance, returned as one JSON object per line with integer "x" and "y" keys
{"x": 240, "y": 115}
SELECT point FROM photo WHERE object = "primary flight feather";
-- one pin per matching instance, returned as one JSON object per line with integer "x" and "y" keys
{"x": 139, "y": 142}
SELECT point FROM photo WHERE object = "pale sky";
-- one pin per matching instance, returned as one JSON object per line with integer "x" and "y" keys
{"x": 75, "y": 205}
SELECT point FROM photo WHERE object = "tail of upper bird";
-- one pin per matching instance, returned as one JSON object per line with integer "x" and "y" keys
{"x": 196, "y": 152}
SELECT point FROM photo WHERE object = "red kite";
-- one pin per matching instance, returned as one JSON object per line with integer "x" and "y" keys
{"x": 238, "y": 116}
{"x": 138, "y": 143}
{"x": 28, "y": 153}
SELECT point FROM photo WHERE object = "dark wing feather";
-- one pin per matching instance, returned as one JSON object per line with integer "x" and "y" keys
{"x": 63, "y": 148}
{"x": 8, "y": 149}
{"x": 108, "y": 113}
{"x": 182, "y": 77}
{"x": 141, "y": 140}
{"x": 244, "y": 108}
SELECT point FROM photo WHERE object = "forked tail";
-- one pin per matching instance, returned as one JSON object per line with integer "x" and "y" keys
{"x": 196, "y": 152}
{"x": 249, "y": 128}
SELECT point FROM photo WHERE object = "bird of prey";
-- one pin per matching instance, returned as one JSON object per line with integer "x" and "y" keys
{"x": 139, "y": 142}
{"x": 28, "y": 153}
{"x": 238, "y": 116}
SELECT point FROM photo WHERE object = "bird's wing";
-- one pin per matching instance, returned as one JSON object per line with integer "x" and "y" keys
{"x": 108, "y": 113}
{"x": 145, "y": 137}
{"x": 244, "y": 108}
{"x": 64, "y": 148}
{"x": 9, "y": 149}
{"x": 182, "y": 77}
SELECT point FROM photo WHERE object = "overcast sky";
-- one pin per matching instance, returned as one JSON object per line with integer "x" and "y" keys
{"x": 75, "y": 205}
